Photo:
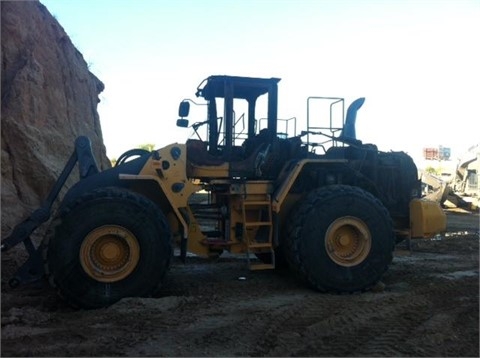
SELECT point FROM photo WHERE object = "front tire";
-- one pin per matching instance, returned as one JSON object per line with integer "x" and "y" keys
{"x": 109, "y": 244}
{"x": 340, "y": 239}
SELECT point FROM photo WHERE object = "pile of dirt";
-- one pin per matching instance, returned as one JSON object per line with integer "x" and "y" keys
{"x": 49, "y": 97}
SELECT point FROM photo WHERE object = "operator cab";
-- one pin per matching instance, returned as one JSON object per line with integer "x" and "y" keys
{"x": 223, "y": 96}
{"x": 232, "y": 124}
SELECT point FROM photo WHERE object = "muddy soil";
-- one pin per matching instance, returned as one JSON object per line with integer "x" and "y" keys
{"x": 428, "y": 307}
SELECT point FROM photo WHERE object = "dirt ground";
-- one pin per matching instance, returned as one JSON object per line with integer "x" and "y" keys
{"x": 429, "y": 307}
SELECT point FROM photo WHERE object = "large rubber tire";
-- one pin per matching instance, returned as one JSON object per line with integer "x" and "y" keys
{"x": 109, "y": 244}
{"x": 341, "y": 239}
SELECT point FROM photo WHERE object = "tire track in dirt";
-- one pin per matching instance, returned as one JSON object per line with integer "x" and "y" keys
{"x": 386, "y": 324}
{"x": 454, "y": 308}
{"x": 332, "y": 326}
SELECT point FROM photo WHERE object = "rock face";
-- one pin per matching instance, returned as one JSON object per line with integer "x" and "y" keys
{"x": 49, "y": 97}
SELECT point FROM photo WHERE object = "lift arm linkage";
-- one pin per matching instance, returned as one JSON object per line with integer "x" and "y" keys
{"x": 32, "y": 269}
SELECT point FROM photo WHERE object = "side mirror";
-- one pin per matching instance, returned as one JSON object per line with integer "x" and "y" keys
{"x": 182, "y": 122}
{"x": 183, "y": 109}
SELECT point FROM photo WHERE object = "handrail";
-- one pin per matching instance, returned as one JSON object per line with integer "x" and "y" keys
{"x": 286, "y": 120}
{"x": 333, "y": 130}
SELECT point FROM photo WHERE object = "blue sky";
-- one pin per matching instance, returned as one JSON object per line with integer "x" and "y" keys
{"x": 416, "y": 62}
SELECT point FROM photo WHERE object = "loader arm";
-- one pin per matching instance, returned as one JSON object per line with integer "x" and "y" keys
{"x": 32, "y": 269}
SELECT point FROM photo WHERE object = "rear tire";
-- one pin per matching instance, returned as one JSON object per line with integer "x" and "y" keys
{"x": 110, "y": 244}
{"x": 340, "y": 239}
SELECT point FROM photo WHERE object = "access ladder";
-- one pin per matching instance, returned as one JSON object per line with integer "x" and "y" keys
{"x": 258, "y": 225}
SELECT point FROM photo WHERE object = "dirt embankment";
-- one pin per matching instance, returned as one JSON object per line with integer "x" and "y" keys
{"x": 49, "y": 98}
{"x": 429, "y": 307}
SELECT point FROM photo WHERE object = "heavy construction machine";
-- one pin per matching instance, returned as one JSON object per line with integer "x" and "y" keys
{"x": 329, "y": 206}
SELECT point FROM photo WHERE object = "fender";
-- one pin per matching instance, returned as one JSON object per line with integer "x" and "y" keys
{"x": 167, "y": 167}
{"x": 284, "y": 188}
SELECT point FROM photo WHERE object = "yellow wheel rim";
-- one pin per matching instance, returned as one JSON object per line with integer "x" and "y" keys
{"x": 348, "y": 241}
{"x": 109, "y": 253}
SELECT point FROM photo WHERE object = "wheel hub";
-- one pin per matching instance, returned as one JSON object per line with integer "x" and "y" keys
{"x": 348, "y": 241}
{"x": 344, "y": 240}
{"x": 109, "y": 253}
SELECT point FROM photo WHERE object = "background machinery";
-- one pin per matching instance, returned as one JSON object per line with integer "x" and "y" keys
{"x": 323, "y": 202}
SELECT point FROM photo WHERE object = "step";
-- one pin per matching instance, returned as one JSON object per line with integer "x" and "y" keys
{"x": 260, "y": 245}
{"x": 257, "y": 267}
{"x": 212, "y": 233}
{"x": 257, "y": 223}
{"x": 258, "y": 202}
{"x": 217, "y": 243}
{"x": 207, "y": 216}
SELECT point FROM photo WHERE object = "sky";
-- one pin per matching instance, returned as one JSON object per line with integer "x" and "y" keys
{"x": 415, "y": 62}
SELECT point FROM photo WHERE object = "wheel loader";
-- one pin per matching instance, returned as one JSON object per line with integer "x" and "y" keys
{"x": 321, "y": 201}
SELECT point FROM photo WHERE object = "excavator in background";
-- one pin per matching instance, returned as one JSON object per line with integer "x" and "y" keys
{"x": 466, "y": 175}
{"x": 434, "y": 187}
{"x": 321, "y": 201}
{"x": 459, "y": 187}
{"x": 465, "y": 188}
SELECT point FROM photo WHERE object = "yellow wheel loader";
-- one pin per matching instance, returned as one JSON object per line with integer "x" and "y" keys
{"x": 320, "y": 201}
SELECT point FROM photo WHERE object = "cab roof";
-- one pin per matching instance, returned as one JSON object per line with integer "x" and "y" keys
{"x": 248, "y": 88}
